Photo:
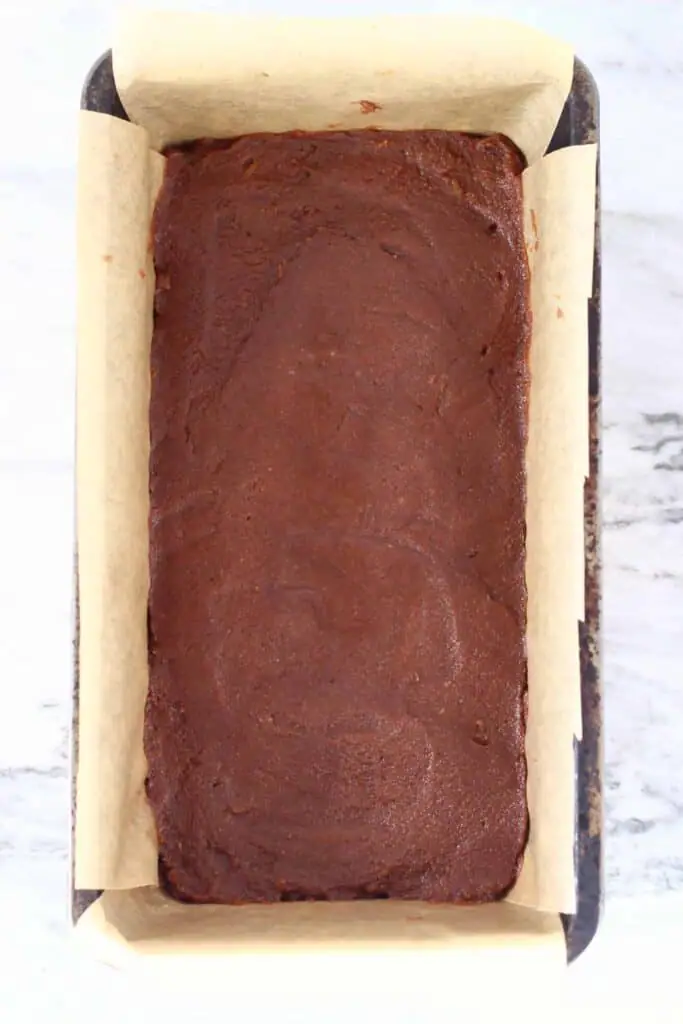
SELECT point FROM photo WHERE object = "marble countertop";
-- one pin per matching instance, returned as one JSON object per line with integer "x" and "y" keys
{"x": 633, "y": 49}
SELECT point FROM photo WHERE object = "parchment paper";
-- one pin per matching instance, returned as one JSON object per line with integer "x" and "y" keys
{"x": 274, "y": 74}
{"x": 366, "y": 946}
{"x": 187, "y": 76}
{"x": 115, "y": 836}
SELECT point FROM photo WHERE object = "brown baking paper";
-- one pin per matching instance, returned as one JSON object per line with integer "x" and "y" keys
{"x": 114, "y": 837}
{"x": 182, "y": 77}
{"x": 275, "y": 74}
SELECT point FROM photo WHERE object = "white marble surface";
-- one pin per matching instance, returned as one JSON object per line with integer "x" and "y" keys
{"x": 634, "y": 49}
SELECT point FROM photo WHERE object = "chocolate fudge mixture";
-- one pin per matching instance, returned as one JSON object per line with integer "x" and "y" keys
{"x": 338, "y": 608}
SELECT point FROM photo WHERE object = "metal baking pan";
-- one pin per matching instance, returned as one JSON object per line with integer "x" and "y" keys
{"x": 578, "y": 124}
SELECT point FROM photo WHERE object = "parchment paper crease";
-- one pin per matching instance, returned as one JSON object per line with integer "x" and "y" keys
{"x": 183, "y": 77}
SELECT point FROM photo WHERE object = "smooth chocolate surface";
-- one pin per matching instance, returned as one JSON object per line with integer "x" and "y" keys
{"x": 337, "y": 605}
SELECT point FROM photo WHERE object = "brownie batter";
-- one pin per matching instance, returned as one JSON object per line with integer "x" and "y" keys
{"x": 337, "y": 608}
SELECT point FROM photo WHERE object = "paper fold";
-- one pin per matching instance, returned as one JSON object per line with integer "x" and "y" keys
{"x": 307, "y": 945}
{"x": 188, "y": 76}
{"x": 119, "y": 175}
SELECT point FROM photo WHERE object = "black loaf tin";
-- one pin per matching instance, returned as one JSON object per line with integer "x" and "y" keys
{"x": 578, "y": 124}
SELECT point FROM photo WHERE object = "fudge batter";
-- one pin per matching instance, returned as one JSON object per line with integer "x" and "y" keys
{"x": 337, "y": 610}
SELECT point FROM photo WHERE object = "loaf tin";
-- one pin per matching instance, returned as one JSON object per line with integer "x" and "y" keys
{"x": 578, "y": 124}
